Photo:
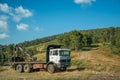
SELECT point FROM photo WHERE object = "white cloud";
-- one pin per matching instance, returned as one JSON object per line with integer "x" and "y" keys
{"x": 12, "y": 14}
{"x": 3, "y": 36}
{"x": 20, "y": 13}
{"x": 24, "y": 12}
{"x": 84, "y": 1}
{"x": 3, "y": 26}
{"x": 5, "y": 8}
{"x": 22, "y": 26}
{"x": 17, "y": 13}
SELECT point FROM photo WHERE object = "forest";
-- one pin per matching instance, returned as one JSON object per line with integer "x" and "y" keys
{"x": 108, "y": 37}
{"x": 75, "y": 40}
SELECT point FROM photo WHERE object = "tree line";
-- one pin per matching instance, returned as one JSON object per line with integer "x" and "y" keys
{"x": 77, "y": 39}
{"x": 37, "y": 41}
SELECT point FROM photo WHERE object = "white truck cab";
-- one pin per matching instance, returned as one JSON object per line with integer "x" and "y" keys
{"x": 60, "y": 57}
{"x": 57, "y": 58}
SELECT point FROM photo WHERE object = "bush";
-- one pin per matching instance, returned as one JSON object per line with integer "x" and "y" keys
{"x": 81, "y": 65}
{"x": 86, "y": 48}
{"x": 113, "y": 49}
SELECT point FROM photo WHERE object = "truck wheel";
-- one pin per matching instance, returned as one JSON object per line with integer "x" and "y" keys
{"x": 51, "y": 68}
{"x": 27, "y": 68}
{"x": 19, "y": 68}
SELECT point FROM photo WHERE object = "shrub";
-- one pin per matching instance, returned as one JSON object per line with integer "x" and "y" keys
{"x": 81, "y": 65}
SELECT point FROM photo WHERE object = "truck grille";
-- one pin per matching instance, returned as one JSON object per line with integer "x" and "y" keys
{"x": 65, "y": 60}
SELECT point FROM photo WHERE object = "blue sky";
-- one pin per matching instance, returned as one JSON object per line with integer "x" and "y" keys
{"x": 24, "y": 20}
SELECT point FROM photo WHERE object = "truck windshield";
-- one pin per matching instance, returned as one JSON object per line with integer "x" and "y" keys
{"x": 64, "y": 53}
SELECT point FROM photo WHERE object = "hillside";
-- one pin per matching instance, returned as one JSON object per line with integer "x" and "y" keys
{"x": 75, "y": 40}
{"x": 97, "y": 35}
{"x": 86, "y": 65}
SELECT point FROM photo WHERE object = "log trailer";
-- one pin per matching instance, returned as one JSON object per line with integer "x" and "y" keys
{"x": 57, "y": 58}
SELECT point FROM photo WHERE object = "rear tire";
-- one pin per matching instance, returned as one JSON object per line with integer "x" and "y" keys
{"x": 19, "y": 68}
{"x": 27, "y": 68}
{"x": 51, "y": 68}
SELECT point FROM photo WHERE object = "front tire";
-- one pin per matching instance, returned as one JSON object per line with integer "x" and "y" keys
{"x": 51, "y": 68}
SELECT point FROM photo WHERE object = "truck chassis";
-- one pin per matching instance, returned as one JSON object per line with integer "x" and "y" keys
{"x": 30, "y": 66}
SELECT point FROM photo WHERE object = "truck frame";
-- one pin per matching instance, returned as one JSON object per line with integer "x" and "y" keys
{"x": 56, "y": 59}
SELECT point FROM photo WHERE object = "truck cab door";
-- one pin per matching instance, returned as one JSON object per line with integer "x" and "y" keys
{"x": 54, "y": 56}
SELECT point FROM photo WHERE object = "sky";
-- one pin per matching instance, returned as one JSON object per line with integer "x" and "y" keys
{"x": 25, "y": 20}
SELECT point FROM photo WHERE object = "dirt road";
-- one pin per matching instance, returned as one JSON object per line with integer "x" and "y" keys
{"x": 70, "y": 74}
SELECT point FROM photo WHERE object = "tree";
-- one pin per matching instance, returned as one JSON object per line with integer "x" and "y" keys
{"x": 64, "y": 39}
{"x": 9, "y": 51}
{"x": 2, "y": 56}
{"x": 76, "y": 39}
{"x": 87, "y": 40}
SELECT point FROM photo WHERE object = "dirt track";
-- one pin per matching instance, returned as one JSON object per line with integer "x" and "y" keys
{"x": 70, "y": 74}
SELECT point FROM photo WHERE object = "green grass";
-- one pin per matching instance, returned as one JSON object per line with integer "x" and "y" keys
{"x": 86, "y": 48}
{"x": 40, "y": 56}
{"x": 112, "y": 49}
{"x": 80, "y": 64}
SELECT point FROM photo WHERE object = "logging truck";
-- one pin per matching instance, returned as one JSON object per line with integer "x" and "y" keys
{"x": 57, "y": 58}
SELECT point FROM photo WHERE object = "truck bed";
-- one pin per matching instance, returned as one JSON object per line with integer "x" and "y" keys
{"x": 34, "y": 62}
